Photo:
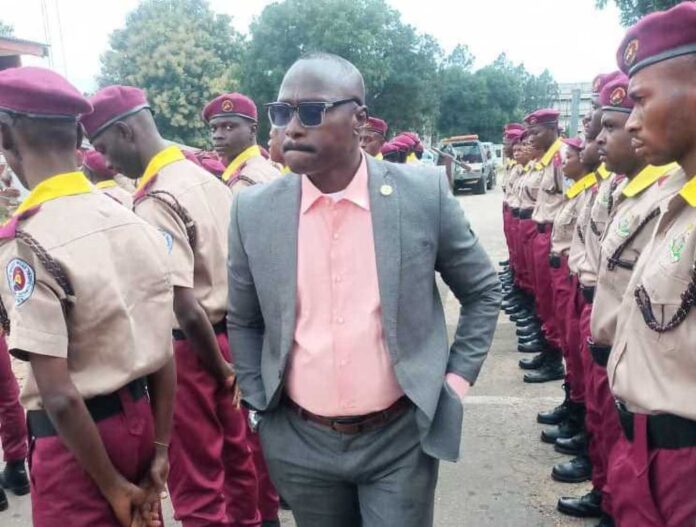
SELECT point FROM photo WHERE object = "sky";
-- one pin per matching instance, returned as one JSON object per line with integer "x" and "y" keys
{"x": 570, "y": 38}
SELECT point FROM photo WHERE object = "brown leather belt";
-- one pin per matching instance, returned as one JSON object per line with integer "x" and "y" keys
{"x": 515, "y": 212}
{"x": 354, "y": 424}
{"x": 526, "y": 214}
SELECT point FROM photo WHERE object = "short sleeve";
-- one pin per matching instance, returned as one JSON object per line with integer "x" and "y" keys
{"x": 32, "y": 299}
{"x": 173, "y": 231}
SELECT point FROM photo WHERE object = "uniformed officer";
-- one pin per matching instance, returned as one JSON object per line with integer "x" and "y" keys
{"x": 94, "y": 167}
{"x": 233, "y": 121}
{"x": 87, "y": 304}
{"x": 583, "y": 181}
{"x": 652, "y": 365}
{"x": 212, "y": 481}
{"x": 634, "y": 215}
{"x": 510, "y": 174}
{"x": 373, "y": 136}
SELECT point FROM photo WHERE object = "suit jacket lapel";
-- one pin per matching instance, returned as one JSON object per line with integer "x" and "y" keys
{"x": 386, "y": 226}
{"x": 283, "y": 244}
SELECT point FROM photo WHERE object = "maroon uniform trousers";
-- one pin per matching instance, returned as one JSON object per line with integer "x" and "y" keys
{"x": 212, "y": 480}
{"x": 543, "y": 290}
{"x": 651, "y": 487}
{"x": 527, "y": 232}
{"x": 62, "y": 494}
{"x": 593, "y": 416}
{"x": 564, "y": 289}
{"x": 13, "y": 424}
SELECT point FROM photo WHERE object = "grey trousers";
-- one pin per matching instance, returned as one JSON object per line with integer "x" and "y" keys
{"x": 380, "y": 478}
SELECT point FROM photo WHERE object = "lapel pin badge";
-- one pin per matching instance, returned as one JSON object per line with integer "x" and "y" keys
{"x": 386, "y": 190}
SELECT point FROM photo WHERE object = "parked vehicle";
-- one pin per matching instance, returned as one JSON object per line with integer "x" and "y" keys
{"x": 474, "y": 167}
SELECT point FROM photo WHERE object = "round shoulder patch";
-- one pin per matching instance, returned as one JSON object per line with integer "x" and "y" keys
{"x": 20, "y": 279}
{"x": 168, "y": 240}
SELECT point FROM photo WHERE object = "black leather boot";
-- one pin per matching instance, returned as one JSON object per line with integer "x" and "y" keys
{"x": 577, "y": 470}
{"x": 571, "y": 425}
{"x": 573, "y": 446}
{"x": 532, "y": 363}
{"x": 551, "y": 370}
{"x": 558, "y": 414}
{"x": 14, "y": 478}
{"x": 606, "y": 521}
{"x": 587, "y": 506}
{"x": 3, "y": 500}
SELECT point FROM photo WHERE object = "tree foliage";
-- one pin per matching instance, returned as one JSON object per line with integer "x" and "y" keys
{"x": 6, "y": 30}
{"x": 633, "y": 10}
{"x": 399, "y": 66}
{"x": 182, "y": 54}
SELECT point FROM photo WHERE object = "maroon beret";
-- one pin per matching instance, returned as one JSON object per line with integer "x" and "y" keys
{"x": 96, "y": 163}
{"x": 405, "y": 140}
{"x": 573, "y": 142}
{"x": 230, "y": 105}
{"x": 513, "y": 126}
{"x": 659, "y": 36}
{"x": 40, "y": 92}
{"x": 614, "y": 96}
{"x": 542, "y": 116}
{"x": 112, "y": 104}
{"x": 602, "y": 79}
{"x": 388, "y": 148}
{"x": 412, "y": 135}
{"x": 513, "y": 134}
{"x": 375, "y": 124}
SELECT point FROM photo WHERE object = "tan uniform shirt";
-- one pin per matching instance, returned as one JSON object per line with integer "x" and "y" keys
{"x": 633, "y": 221}
{"x": 655, "y": 372}
{"x": 516, "y": 186}
{"x": 565, "y": 221}
{"x": 116, "y": 192}
{"x": 208, "y": 203}
{"x": 550, "y": 197}
{"x": 529, "y": 187}
{"x": 118, "y": 326}
{"x": 508, "y": 171}
{"x": 599, "y": 217}
{"x": 576, "y": 255}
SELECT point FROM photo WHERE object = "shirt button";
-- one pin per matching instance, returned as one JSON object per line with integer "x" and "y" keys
{"x": 335, "y": 236}
{"x": 340, "y": 320}
{"x": 337, "y": 279}
{"x": 343, "y": 362}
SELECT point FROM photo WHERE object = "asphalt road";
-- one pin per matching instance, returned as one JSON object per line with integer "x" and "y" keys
{"x": 503, "y": 478}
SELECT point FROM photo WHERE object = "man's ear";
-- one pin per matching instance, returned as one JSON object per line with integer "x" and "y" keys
{"x": 8, "y": 140}
{"x": 124, "y": 131}
{"x": 360, "y": 116}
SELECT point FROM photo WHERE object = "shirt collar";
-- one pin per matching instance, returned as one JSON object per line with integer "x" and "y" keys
{"x": 688, "y": 191}
{"x": 108, "y": 183}
{"x": 67, "y": 184}
{"x": 603, "y": 172}
{"x": 237, "y": 162}
{"x": 646, "y": 178}
{"x": 581, "y": 185}
{"x": 356, "y": 191}
{"x": 165, "y": 157}
{"x": 548, "y": 155}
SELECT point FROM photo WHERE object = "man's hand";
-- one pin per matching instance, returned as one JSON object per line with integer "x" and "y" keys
{"x": 459, "y": 384}
{"x": 229, "y": 381}
{"x": 124, "y": 498}
{"x": 159, "y": 469}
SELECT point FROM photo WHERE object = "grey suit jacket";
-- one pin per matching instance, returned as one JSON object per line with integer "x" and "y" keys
{"x": 418, "y": 229}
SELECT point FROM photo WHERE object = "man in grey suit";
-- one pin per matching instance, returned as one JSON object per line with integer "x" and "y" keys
{"x": 337, "y": 328}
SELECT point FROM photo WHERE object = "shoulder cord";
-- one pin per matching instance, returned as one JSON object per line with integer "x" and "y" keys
{"x": 54, "y": 269}
{"x": 615, "y": 260}
{"x": 179, "y": 210}
{"x": 688, "y": 300}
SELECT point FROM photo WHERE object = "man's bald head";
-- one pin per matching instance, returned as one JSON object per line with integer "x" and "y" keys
{"x": 325, "y": 76}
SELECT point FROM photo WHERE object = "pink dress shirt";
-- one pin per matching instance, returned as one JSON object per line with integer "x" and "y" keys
{"x": 339, "y": 364}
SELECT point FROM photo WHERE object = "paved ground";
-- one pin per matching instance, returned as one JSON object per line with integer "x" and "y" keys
{"x": 503, "y": 479}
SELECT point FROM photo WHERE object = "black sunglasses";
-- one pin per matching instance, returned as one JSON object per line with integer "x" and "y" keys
{"x": 311, "y": 114}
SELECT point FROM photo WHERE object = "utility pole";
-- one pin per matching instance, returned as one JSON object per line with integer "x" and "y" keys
{"x": 574, "y": 113}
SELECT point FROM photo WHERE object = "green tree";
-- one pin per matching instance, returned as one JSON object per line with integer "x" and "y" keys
{"x": 182, "y": 54}
{"x": 6, "y": 30}
{"x": 633, "y": 10}
{"x": 399, "y": 66}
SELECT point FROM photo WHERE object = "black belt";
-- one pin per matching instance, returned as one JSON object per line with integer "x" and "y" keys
{"x": 600, "y": 354}
{"x": 515, "y": 213}
{"x": 219, "y": 328}
{"x": 555, "y": 261}
{"x": 587, "y": 293}
{"x": 664, "y": 430}
{"x": 100, "y": 407}
{"x": 543, "y": 227}
{"x": 526, "y": 214}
